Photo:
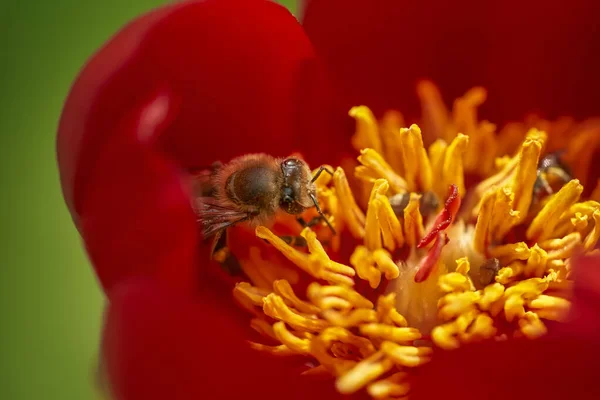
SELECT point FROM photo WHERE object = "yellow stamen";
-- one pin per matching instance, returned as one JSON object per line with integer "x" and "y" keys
{"x": 413, "y": 221}
{"x": 374, "y": 166}
{"x": 354, "y": 216}
{"x": 417, "y": 168}
{"x": 542, "y": 226}
{"x": 452, "y": 169}
{"x": 391, "y": 124}
{"x": 367, "y": 132}
{"x": 484, "y": 280}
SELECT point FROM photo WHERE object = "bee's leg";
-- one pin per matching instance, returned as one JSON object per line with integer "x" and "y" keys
{"x": 561, "y": 173}
{"x": 541, "y": 185}
{"x": 221, "y": 254}
{"x": 320, "y": 171}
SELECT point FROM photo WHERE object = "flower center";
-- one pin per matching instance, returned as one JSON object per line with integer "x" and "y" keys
{"x": 435, "y": 262}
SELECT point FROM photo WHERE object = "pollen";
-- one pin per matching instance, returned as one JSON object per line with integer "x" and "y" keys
{"x": 425, "y": 260}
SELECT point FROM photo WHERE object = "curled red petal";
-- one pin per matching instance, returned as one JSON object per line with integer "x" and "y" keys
{"x": 444, "y": 218}
{"x": 159, "y": 345}
{"x": 530, "y": 55}
{"x": 429, "y": 262}
{"x": 183, "y": 86}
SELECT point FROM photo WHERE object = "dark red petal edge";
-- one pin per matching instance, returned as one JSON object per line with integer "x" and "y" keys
{"x": 530, "y": 55}
{"x": 162, "y": 346}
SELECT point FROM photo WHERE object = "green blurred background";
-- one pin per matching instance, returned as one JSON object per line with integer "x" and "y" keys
{"x": 51, "y": 302}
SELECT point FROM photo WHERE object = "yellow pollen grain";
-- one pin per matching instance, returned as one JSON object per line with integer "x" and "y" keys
{"x": 367, "y": 131}
{"x": 373, "y": 165}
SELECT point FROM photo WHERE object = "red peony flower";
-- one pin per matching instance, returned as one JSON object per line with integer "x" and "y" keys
{"x": 199, "y": 81}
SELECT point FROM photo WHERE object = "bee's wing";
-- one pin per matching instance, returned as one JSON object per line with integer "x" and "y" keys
{"x": 215, "y": 217}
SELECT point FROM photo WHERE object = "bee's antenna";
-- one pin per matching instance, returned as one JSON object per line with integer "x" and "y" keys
{"x": 316, "y": 203}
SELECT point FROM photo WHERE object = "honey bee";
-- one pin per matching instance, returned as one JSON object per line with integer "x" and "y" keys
{"x": 251, "y": 189}
{"x": 551, "y": 173}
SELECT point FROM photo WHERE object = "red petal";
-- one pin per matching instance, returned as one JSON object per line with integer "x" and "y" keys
{"x": 444, "y": 218}
{"x": 226, "y": 77}
{"x": 162, "y": 346}
{"x": 584, "y": 318}
{"x": 533, "y": 54}
{"x": 549, "y": 368}
{"x": 563, "y": 365}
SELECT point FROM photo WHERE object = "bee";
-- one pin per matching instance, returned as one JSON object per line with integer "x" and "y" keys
{"x": 251, "y": 189}
{"x": 550, "y": 173}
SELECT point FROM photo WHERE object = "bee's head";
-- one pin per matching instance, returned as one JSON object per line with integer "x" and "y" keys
{"x": 296, "y": 186}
